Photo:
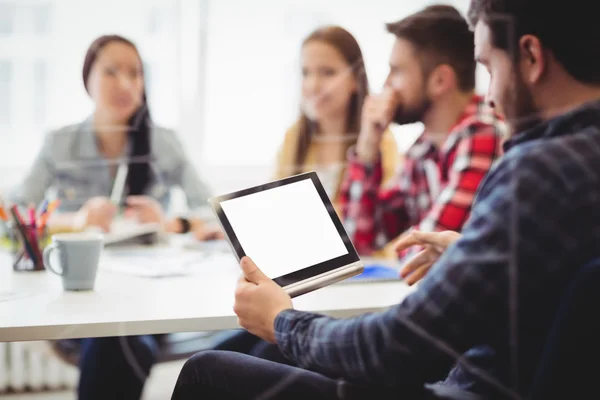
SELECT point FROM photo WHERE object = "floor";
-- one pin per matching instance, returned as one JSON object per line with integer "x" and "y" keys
{"x": 159, "y": 387}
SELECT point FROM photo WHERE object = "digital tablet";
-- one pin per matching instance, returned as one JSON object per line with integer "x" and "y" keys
{"x": 290, "y": 229}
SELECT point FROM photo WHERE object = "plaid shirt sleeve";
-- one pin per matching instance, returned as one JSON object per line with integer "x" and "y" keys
{"x": 374, "y": 216}
{"x": 464, "y": 299}
{"x": 369, "y": 210}
{"x": 475, "y": 154}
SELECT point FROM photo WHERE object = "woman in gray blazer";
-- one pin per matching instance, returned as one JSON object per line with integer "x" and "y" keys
{"x": 78, "y": 165}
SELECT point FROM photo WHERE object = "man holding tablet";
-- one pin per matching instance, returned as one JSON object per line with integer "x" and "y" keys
{"x": 534, "y": 223}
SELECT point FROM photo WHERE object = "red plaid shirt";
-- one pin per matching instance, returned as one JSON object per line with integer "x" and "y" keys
{"x": 434, "y": 189}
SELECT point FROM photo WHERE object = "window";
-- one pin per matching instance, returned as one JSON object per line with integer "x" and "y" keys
{"x": 7, "y": 17}
{"x": 40, "y": 98}
{"x": 5, "y": 95}
{"x": 41, "y": 18}
{"x": 41, "y": 88}
{"x": 160, "y": 20}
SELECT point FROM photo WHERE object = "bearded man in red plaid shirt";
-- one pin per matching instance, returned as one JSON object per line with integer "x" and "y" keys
{"x": 431, "y": 80}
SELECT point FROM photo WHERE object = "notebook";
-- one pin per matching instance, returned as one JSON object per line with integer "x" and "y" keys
{"x": 124, "y": 231}
{"x": 377, "y": 270}
{"x": 151, "y": 262}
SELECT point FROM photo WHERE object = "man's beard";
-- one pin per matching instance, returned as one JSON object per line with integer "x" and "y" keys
{"x": 409, "y": 114}
{"x": 519, "y": 107}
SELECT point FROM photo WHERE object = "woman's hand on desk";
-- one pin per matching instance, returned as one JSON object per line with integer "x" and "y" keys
{"x": 434, "y": 244}
{"x": 258, "y": 301}
{"x": 145, "y": 209}
{"x": 97, "y": 211}
{"x": 204, "y": 233}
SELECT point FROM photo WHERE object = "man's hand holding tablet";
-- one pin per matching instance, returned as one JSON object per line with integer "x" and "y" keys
{"x": 291, "y": 230}
{"x": 258, "y": 301}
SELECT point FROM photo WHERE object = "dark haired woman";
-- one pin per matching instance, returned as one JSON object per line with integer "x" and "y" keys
{"x": 78, "y": 164}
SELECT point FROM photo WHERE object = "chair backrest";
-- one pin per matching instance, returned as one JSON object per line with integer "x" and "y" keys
{"x": 174, "y": 346}
{"x": 567, "y": 367}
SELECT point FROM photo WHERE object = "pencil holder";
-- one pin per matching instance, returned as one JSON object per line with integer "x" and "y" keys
{"x": 27, "y": 254}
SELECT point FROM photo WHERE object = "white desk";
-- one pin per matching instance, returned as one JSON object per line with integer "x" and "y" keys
{"x": 130, "y": 305}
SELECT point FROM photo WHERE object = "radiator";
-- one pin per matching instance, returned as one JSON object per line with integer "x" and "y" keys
{"x": 33, "y": 367}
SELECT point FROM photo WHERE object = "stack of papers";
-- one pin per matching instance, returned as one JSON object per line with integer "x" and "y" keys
{"x": 125, "y": 230}
{"x": 151, "y": 262}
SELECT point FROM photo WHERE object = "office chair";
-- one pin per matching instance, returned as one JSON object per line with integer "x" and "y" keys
{"x": 567, "y": 368}
{"x": 174, "y": 346}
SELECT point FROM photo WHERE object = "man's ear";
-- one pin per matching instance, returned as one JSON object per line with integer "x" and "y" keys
{"x": 441, "y": 79}
{"x": 532, "y": 59}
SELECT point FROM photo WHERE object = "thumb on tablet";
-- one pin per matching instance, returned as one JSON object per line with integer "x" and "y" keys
{"x": 251, "y": 271}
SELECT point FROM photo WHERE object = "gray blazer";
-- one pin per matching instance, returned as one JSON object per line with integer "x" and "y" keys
{"x": 70, "y": 167}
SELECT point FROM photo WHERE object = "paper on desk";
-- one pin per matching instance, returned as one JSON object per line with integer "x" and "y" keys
{"x": 152, "y": 262}
{"x": 125, "y": 229}
{"x": 209, "y": 246}
{"x": 10, "y": 296}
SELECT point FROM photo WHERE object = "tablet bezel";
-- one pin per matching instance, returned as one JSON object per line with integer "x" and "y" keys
{"x": 310, "y": 271}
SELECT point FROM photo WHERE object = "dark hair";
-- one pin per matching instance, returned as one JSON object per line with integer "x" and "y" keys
{"x": 569, "y": 30}
{"x": 139, "y": 175}
{"x": 346, "y": 44}
{"x": 440, "y": 35}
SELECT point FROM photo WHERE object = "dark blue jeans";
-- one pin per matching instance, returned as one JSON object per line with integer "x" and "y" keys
{"x": 228, "y": 375}
{"x": 460, "y": 378}
{"x": 116, "y": 367}
{"x": 247, "y": 343}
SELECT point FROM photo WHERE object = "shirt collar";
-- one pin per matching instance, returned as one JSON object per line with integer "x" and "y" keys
{"x": 424, "y": 147}
{"x": 568, "y": 123}
{"x": 421, "y": 148}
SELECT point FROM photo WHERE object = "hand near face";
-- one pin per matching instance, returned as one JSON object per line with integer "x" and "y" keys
{"x": 258, "y": 301}
{"x": 378, "y": 112}
{"x": 434, "y": 244}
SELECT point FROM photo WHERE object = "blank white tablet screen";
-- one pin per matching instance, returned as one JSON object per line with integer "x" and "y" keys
{"x": 284, "y": 229}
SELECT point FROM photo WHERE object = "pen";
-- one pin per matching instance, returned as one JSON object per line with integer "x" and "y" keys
{"x": 23, "y": 232}
{"x": 119, "y": 185}
{"x": 42, "y": 208}
{"x": 15, "y": 212}
{"x": 3, "y": 213}
{"x": 35, "y": 246}
{"x": 53, "y": 205}
{"x": 32, "y": 215}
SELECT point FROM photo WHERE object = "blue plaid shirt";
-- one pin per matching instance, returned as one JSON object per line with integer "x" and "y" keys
{"x": 535, "y": 221}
